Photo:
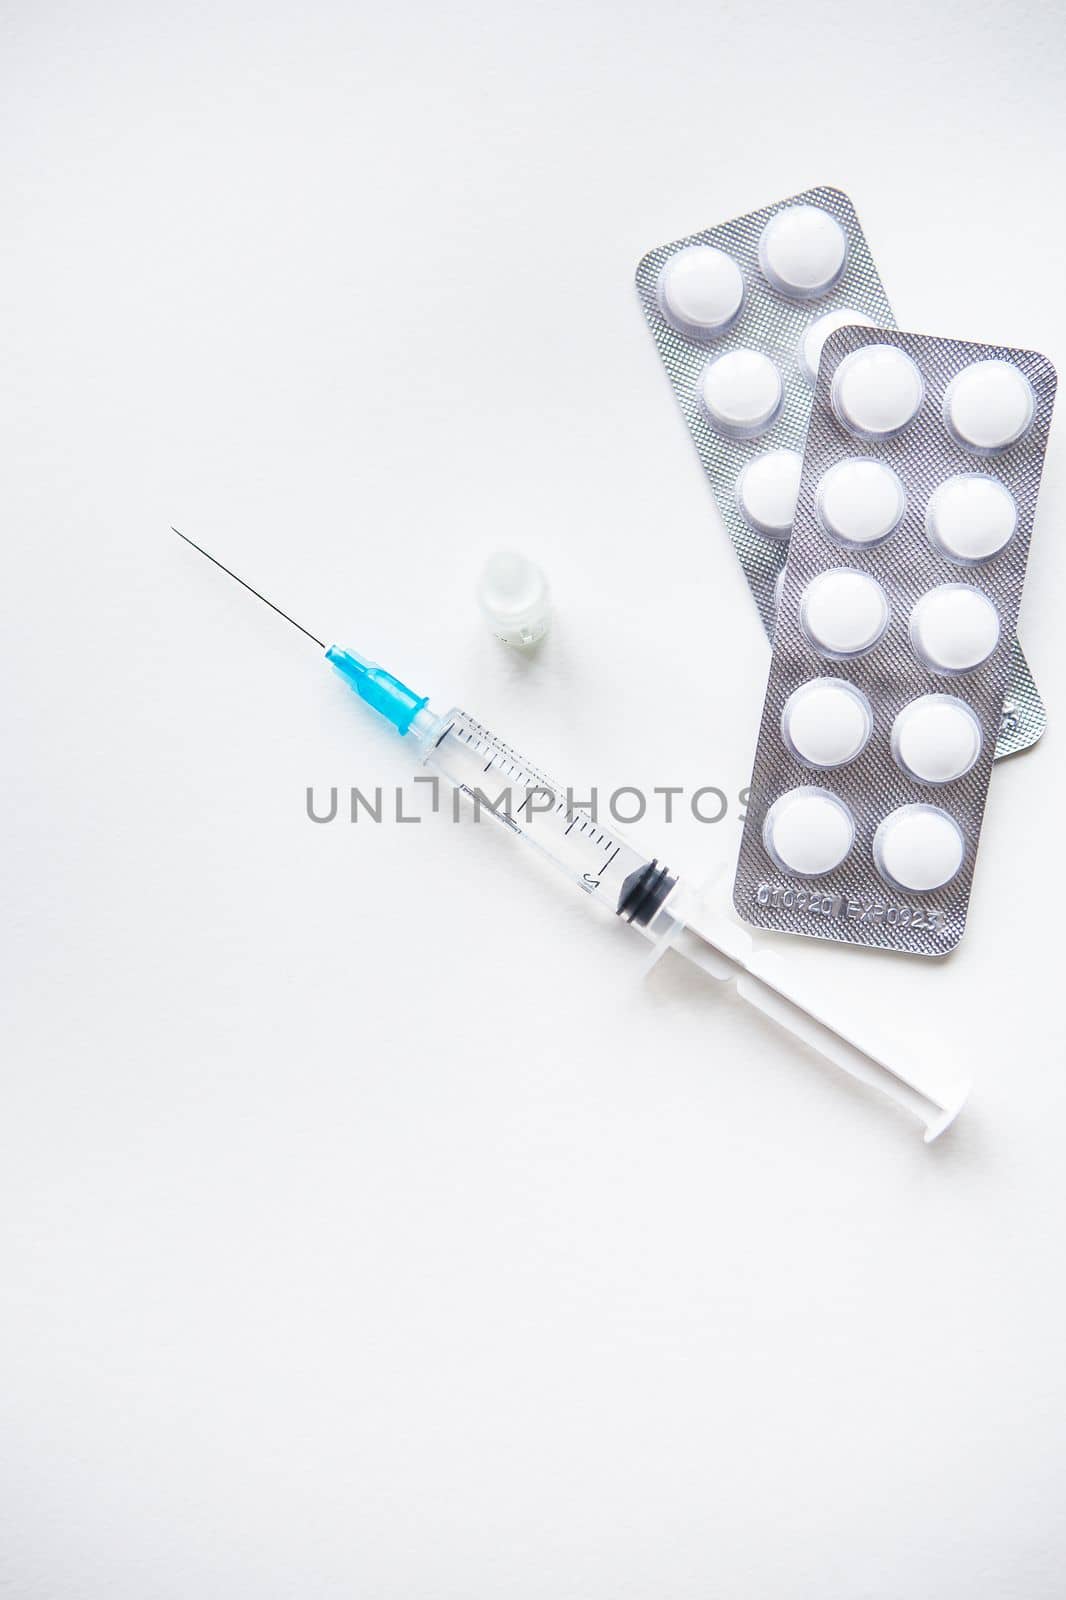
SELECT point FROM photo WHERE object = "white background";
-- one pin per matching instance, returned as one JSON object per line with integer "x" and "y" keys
{"x": 369, "y": 1227}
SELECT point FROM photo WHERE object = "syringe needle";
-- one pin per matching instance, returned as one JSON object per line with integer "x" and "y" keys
{"x": 247, "y": 586}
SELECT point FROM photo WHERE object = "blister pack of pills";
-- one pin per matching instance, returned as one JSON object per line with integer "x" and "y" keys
{"x": 892, "y": 648}
{"x": 739, "y": 313}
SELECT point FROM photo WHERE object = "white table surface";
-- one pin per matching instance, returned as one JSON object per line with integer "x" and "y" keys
{"x": 370, "y": 1228}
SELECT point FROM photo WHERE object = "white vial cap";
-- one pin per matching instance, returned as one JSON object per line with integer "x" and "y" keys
{"x": 843, "y": 612}
{"x": 954, "y": 627}
{"x": 918, "y": 848}
{"x": 988, "y": 406}
{"x": 802, "y": 251}
{"x": 876, "y": 391}
{"x": 810, "y": 346}
{"x": 701, "y": 289}
{"x": 970, "y": 517}
{"x": 936, "y": 738}
{"x": 742, "y": 392}
{"x": 808, "y": 831}
{"x": 514, "y": 598}
{"x": 826, "y": 722}
{"x": 767, "y": 490}
{"x": 860, "y": 501}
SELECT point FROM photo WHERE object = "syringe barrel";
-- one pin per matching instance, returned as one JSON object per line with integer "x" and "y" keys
{"x": 503, "y": 785}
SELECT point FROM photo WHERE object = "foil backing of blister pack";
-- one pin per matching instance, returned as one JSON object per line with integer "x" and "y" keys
{"x": 853, "y": 902}
{"x": 774, "y": 323}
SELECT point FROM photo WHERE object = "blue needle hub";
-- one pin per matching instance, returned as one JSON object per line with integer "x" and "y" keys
{"x": 385, "y": 694}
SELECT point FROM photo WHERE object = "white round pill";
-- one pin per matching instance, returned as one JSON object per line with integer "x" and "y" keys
{"x": 860, "y": 501}
{"x": 936, "y": 738}
{"x": 988, "y": 406}
{"x": 919, "y": 848}
{"x": 808, "y": 831}
{"x": 970, "y": 518}
{"x": 826, "y": 722}
{"x": 742, "y": 392}
{"x": 701, "y": 289}
{"x": 954, "y": 627}
{"x": 802, "y": 251}
{"x": 843, "y": 612}
{"x": 876, "y": 391}
{"x": 810, "y": 346}
{"x": 767, "y": 490}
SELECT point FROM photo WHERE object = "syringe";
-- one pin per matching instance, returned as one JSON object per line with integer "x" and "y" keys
{"x": 611, "y": 871}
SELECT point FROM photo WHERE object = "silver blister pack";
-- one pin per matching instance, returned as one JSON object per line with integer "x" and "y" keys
{"x": 891, "y": 653}
{"x": 695, "y": 322}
